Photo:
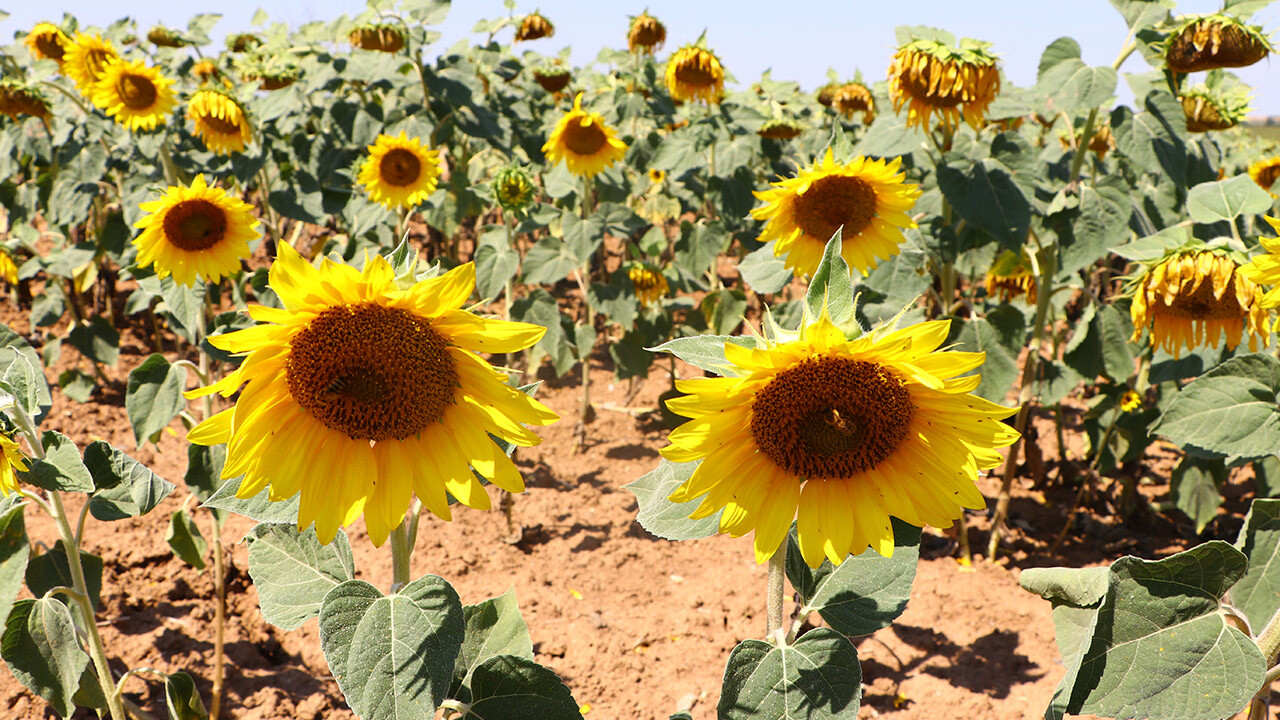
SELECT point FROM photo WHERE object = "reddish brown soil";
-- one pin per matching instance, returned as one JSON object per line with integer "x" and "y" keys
{"x": 637, "y": 627}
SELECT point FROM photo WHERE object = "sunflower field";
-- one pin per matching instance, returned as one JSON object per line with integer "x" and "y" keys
{"x": 878, "y": 363}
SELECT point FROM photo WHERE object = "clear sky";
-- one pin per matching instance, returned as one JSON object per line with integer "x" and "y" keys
{"x": 799, "y": 40}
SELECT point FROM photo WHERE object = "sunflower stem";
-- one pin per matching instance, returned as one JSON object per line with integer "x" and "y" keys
{"x": 401, "y": 551}
{"x": 777, "y": 583}
{"x": 1077, "y": 162}
{"x": 219, "y": 618}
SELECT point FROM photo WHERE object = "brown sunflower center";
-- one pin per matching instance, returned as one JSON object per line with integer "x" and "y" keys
{"x": 49, "y": 46}
{"x": 835, "y": 201}
{"x": 95, "y": 60}
{"x": 195, "y": 225}
{"x": 372, "y": 372}
{"x": 831, "y": 417}
{"x": 922, "y": 84}
{"x": 220, "y": 125}
{"x": 137, "y": 92}
{"x": 648, "y": 33}
{"x": 692, "y": 73}
{"x": 584, "y": 139}
{"x": 400, "y": 167}
{"x": 1202, "y": 305}
{"x": 1268, "y": 176}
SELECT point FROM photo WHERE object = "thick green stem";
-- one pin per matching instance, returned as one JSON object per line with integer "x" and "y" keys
{"x": 1077, "y": 162}
{"x": 401, "y": 551}
{"x": 777, "y": 582}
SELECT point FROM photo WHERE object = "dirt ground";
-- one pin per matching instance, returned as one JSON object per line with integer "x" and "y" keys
{"x": 636, "y": 626}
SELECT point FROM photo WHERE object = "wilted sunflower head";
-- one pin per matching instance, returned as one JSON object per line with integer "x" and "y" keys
{"x": 1010, "y": 276}
{"x": 86, "y": 60}
{"x": 382, "y": 37}
{"x": 137, "y": 96}
{"x": 243, "y": 42}
{"x": 534, "y": 27}
{"x": 1266, "y": 172}
{"x": 646, "y": 33}
{"x": 1209, "y": 42}
{"x": 695, "y": 73}
{"x": 1192, "y": 297}
{"x": 583, "y": 141}
{"x": 47, "y": 42}
{"x": 220, "y": 121}
{"x": 1215, "y": 109}
{"x": 195, "y": 232}
{"x": 780, "y": 129}
{"x": 854, "y": 97}
{"x": 18, "y": 98}
{"x": 827, "y": 93}
{"x": 513, "y": 188}
{"x": 929, "y": 77}
{"x": 1102, "y": 142}
{"x": 552, "y": 78}
{"x": 400, "y": 172}
{"x": 866, "y": 199}
{"x": 161, "y": 36}
{"x": 649, "y": 283}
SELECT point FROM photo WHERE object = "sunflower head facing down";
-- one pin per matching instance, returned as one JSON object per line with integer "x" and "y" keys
{"x": 46, "y": 41}
{"x": 780, "y": 129}
{"x": 86, "y": 60}
{"x": 840, "y": 435}
{"x": 161, "y": 36}
{"x": 1010, "y": 276}
{"x": 243, "y": 42}
{"x": 646, "y": 33}
{"x": 18, "y": 98}
{"x": 695, "y": 73}
{"x": 1194, "y": 297}
{"x": 195, "y": 232}
{"x": 381, "y": 37}
{"x": 583, "y": 141}
{"x": 929, "y": 76}
{"x": 552, "y": 78}
{"x": 1209, "y": 42}
{"x": 1266, "y": 172}
{"x": 400, "y": 172}
{"x": 534, "y": 27}
{"x": 852, "y": 98}
{"x": 1215, "y": 109}
{"x": 220, "y": 122}
{"x": 649, "y": 283}
{"x": 362, "y": 392}
{"x": 867, "y": 199}
{"x": 11, "y": 459}
{"x": 137, "y": 96}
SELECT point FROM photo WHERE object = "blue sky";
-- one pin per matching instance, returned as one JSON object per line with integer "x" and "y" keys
{"x": 798, "y": 40}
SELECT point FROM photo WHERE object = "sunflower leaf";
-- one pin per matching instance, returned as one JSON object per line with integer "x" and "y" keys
{"x": 764, "y": 272}
{"x": 61, "y": 467}
{"x": 1230, "y": 411}
{"x": 1257, "y": 594}
{"x": 126, "y": 487}
{"x": 1227, "y": 200}
{"x": 186, "y": 540}
{"x": 41, "y": 649}
{"x": 831, "y": 288}
{"x": 507, "y": 687}
{"x": 293, "y": 571}
{"x": 153, "y": 396}
{"x": 818, "y": 677}
{"x": 49, "y": 570}
{"x": 706, "y": 352}
{"x": 1194, "y": 488}
{"x": 15, "y": 551}
{"x": 666, "y": 519}
{"x": 259, "y": 507}
{"x": 494, "y": 627}
{"x": 182, "y": 698}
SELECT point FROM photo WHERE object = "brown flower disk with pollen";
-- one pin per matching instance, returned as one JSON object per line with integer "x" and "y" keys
{"x": 195, "y": 225}
{"x": 831, "y": 417}
{"x": 372, "y": 372}
{"x": 833, "y": 202}
{"x": 400, "y": 167}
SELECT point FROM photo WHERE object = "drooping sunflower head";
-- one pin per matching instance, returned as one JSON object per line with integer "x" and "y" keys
{"x": 219, "y": 121}
{"x": 534, "y": 27}
{"x": 47, "y": 42}
{"x": 18, "y": 98}
{"x": 780, "y": 129}
{"x": 243, "y": 42}
{"x": 929, "y": 76}
{"x": 552, "y": 78}
{"x": 852, "y": 98}
{"x": 583, "y": 141}
{"x": 382, "y": 37}
{"x": 840, "y": 435}
{"x": 646, "y": 34}
{"x": 695, "y": 73}
{"x": 195, "y": 232}
{"x": 362, "y": 392}
{"x": 513, "y": 188}
{"x": 1010, "y": 276}
{"x": 205, "y": 70}
{"x": 272, "y": 72}
{"x": 161, "y": 36}
{"x": 827, "y": 93}
{"x": 400, "y": 172}
{"x": 867, "y": 199}
{"x": 649, "y": 283}
{"x": 137, "y": 96}
{"x": 1266, "y": 172}
{"x": 86, "y": 59}
{"x": 1215, "y": 109}
{"x": 1193, "y": 297}
{"x": 1209, "y": 42}
{"x": 11, "y": 458}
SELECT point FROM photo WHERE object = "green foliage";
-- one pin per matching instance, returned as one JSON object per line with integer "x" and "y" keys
{"x": 293, "y": 571}
{"x": 40, "y": 647}
{"x": 153, "y": 396}
{"x": 186, "y": 540}
{"x": 660, "y": 516}
{"x": 124, "y": 487}
{"x": 1230, "y": 411}
{"x": 817, "y": 677}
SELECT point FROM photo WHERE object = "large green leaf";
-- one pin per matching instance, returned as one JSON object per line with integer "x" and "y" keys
{"x": 185, "y": 539}
{"x": 293, "y": 571}
{"x": 986, "y": 196}
{"x": 153, "y": 396}
{"x": 706, "y": 352}
{"x": 507, "y": 687}
{"x": 1000, "y": 335}
{"x": 763, "y": 271}
{"x": 40, "y": 646}
{"x": 1229, "y": 411}
{"x": 1227, "y": 200}
{"x": 392, "y": 655}
{"x": 1067, "y": 84}
{"x": 660, "y": 516}
{"x": 816, "y": 678}
{"x": 540, "y": 308}
{"x": 12, "y": 345}
{"x": 126, "y": 487}
{"x": 1155, "y": 139}
{"x": 1194, "y": 488}
{"x": 15, "y": 549}
{"x": 97, "y": 340}
{"x": 52, "y": 569}
{"x": 496, "y": 263}
{"x": 61, "y": 467}
{"x": 831, "y": 288}
{"x": 1257, "y": 594}
{"x": 259, "y": 507}
{"x": 493, "y": 627}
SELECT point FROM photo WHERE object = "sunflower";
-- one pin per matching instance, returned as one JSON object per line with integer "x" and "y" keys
{"x": 646, "y": 34}
{"x": 695, "y": 73}
{"x": 553, "y": 78}
{"x": 846, "y": 432}
{"x": 656, "y": 176}
{"x": 219, "y": 121}
{"x": 1010, "y": 276}
{"x": 18, "y": 98}
{"x": 826, "y": 94}
{"x": 1208, "y": 109}
{"x": 1130, "y": 401}
{"x": 929, "y": 76}
{"x": 779, "y": 129}
{"x": 868, "y": 198}
{"x": 400, "y": 172}
{"x": 205, "y": 71}
{"x": 161, "y": 36}
{"x": 47, "y": 42}
{"x": 1102, "y": 142}
{"x": 243, "y": 42}
{"x": 1266, "y": 172}
{"x": 533, "y": 27}
{"x": 137, "y": 96}
{"x": 1208, "y": 42}
{"x": 86, "y": 60}
{"x": 852, "y": 98}
{"x": 361, "y": 394}
{"x": 1193, "y": 297}
{"x": 583, "y": 141}
{"x": 382, "y": 37}
{"x": 195, "y": 231}
{"x": 513, "y": 188}
{"x": 11, "y": 458}
{"x": 649, "y": 283}
{"x": 8, "y": 268}
{"x": 1264, "y": 269}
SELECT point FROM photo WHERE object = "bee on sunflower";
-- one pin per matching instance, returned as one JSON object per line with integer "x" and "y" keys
{"x": 646, "y": 33}
{"x": 695, "y": 73}
{"x": 1265, "y": 172}
{"x": 86, "y": 59}
{"x": 137, "y": 96}
{"x": 195, "y": 232}
{"x": 362, "y": 392}
{"x": 1210, "y": 42}
{"x": 1010, "y": 276}
{"x": 583, "y": 142}
{"x": 534, "y": 27}
{"x": 929, "y": 76}
{"x": 46, "y": 41}
{"x": 219, "y": 121}
{"x": 868, "y": 199}
{"x": 400, "y": 172}
{"x": 18, "y": 98}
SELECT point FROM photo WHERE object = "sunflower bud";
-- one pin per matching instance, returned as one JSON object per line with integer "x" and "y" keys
{"x": 780, "y": 129}
{"x": 382, "y": 37}
{"x": 930, "y": 77}
{"x": 534, "y": 27}
{"x": 161, "y": 36}
{"x": 553, "y": 79}
{"x": 513, "y": 188}
{"x": 1215, "y": 41}
{"x": 18, "y": 98}
{"x": 646, "y": 33}
{"x": 1207, "y": 109}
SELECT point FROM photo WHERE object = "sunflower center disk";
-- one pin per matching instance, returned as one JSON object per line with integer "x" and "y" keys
{"x": 1202, "y": 305}
{"x": 400, "y": 167}
{"x": 95, "y": 61}
{"x": 136, "y": 92}
{"x": 584, "y": 139}
{"x": 50, "y": 47}
{"x": 831, "y": 417}
{"x": 372, "y": 372}
{"x": 917, "y": 84}
{"x": 835, "y": 201}
{"x": 222, "y": 126}
{"x": 195, "y": 225}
